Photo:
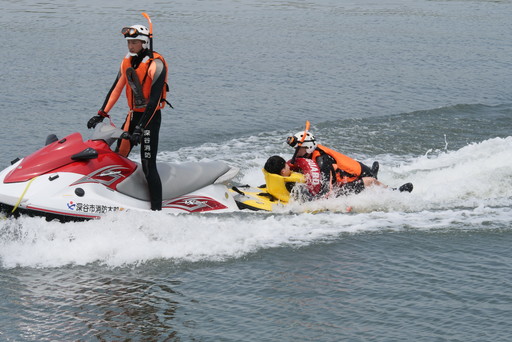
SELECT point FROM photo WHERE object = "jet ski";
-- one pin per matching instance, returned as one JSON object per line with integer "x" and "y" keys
{"x": 70, "y": 179}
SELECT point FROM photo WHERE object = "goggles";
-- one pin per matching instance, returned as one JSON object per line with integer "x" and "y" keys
{"x": 293, "y": 141}
{"x": 131, "y": 32}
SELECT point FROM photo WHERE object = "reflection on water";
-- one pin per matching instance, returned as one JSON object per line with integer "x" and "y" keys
{"x": 92, "y": 302}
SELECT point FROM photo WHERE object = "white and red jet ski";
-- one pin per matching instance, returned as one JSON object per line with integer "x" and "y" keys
{"x": 72, "y": 179}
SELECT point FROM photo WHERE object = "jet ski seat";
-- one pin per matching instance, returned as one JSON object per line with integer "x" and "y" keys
{"x": 177, "y": 179}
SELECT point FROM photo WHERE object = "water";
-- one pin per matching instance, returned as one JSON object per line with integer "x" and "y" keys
{"x": 421, "y": 86}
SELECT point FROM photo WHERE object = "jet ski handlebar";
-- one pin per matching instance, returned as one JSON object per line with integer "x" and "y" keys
{"x": 109, "y": 133}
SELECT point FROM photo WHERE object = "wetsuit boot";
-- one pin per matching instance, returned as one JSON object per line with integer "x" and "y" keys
{"x": 375, "y": 169}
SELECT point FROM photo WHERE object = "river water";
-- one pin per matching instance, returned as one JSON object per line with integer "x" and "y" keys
{"x": 421, "y": 86}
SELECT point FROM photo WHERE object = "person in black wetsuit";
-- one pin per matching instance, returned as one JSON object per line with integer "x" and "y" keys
{"x": 143, "y": 74}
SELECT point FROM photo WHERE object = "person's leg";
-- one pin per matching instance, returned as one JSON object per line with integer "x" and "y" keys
{"x": 124, "y": 146}
{"x": 370, "y": 181}
{"x": 366, "y": 171}
{"x": 148, "y": 151}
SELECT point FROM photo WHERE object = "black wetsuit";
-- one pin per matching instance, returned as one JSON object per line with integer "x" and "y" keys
{"x": 148, "y": 151}
{"x": 149, "y": 121}
{"x": 326, "y": 162}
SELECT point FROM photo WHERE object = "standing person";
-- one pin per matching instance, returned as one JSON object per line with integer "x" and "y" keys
{"x": 345, "y": 174}
{"x": 143, "y": 74}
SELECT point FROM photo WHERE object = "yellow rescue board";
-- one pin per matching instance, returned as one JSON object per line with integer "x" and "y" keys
{"x": 274, "y": 193}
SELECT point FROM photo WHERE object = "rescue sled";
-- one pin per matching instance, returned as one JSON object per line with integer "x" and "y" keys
{"x": 275, "y": 193}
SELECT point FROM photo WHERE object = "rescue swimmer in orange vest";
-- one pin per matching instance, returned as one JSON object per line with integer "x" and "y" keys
{"x": 143, "y": 73}
{"x": 342, "y": 174}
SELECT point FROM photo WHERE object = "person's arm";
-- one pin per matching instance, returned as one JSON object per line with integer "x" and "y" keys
{"x": 327, "y": 169}
{"x": 110, "y": 100}
{"x": 114, "y": 93}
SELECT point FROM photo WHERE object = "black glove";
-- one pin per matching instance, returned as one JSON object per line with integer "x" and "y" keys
{"x": 136, "y": 136}
{"x": 96, "y": 119}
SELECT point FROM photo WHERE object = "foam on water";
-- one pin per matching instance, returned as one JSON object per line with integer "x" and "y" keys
{"x": 469, "y": 188}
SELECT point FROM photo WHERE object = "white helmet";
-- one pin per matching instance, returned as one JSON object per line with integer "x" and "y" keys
{"x": 137, "y": 32}
{"x": 309, "y": 141}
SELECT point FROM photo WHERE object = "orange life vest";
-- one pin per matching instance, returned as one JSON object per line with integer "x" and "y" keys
{"x": 142, "y": 74}
{"x": 347, "y": 169}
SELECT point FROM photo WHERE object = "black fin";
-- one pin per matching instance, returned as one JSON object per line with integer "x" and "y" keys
{"x": 406, "y": 187}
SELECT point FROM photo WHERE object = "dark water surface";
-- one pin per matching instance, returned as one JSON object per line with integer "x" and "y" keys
{"x": 386, "y": 286}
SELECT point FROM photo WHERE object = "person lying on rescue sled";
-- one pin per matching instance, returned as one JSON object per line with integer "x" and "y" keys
{"x": 342, "y": 174}
{"x": 143, "y": 73}
{"x": 317, "y": 181}
{"x": 315, "y": 187}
